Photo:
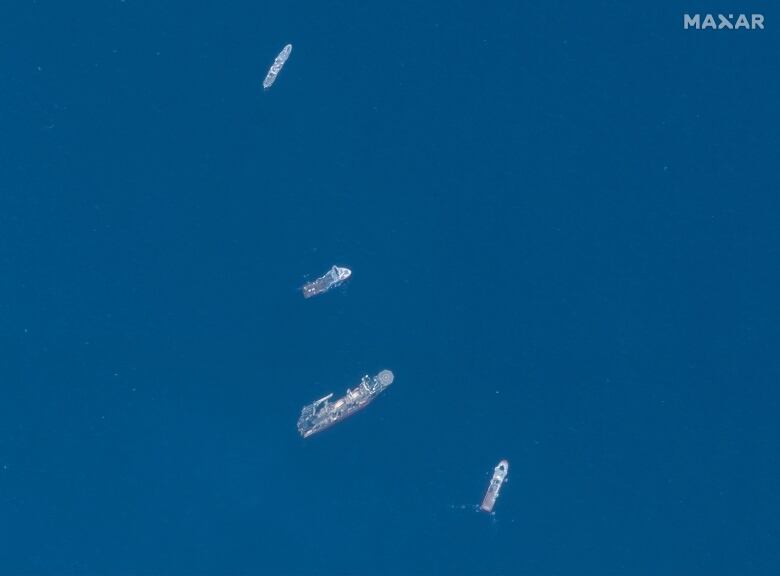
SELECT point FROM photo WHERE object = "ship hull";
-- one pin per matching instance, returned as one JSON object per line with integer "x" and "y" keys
{"x": 323, "y": 414}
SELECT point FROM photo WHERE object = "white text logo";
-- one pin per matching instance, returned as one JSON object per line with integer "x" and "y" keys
{"x": 723, "y": 22}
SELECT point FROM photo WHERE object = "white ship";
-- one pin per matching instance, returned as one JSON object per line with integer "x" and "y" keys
{"x": 323, "y": 413}
{"x": 332, "y": 278}
{"x": 499, "y": 477}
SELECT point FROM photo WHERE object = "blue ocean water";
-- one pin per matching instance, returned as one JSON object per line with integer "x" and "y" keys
{"x": 562, "y": 222}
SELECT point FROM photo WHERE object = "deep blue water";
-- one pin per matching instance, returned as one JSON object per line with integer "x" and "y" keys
{"x": 562, "y": 223}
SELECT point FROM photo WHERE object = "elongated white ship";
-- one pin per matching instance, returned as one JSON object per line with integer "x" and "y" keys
{"x": 323, "y": 413}
{"x": 332, "y": 278}
{"x": 276, "y": 67}
{"x": 499, "y": 477}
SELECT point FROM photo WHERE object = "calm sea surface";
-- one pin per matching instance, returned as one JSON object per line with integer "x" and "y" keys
{"x": 562, "y": 223}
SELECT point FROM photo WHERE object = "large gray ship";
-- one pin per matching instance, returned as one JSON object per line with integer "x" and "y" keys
{"x": 323, "y": 413}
